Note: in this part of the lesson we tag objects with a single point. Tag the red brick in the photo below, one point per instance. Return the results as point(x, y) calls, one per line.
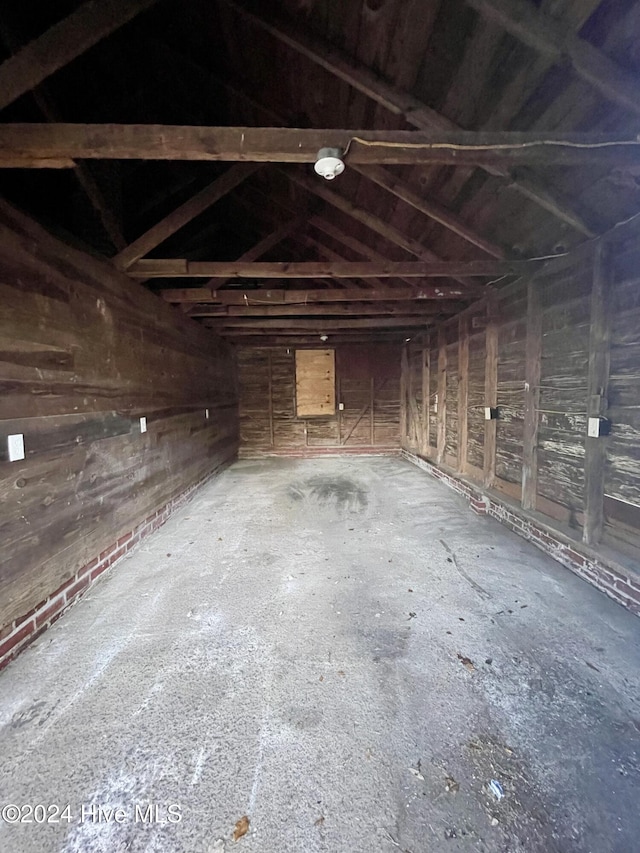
point(580, 559)
point(81, 584)
point(99, 569)
point(51, 609)
point(116, 556)
point(124, 538)
point(85, 570)
point(15, 639)
point(104, 555)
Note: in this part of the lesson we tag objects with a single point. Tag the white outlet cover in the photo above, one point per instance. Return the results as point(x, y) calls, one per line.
point(593, 427)
point(341, 407)
point(487, 413)
point(206, 414)
point(15, 447)
point(143, 424)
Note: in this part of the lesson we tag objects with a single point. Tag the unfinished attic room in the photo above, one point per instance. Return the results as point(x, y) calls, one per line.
point(320, 426)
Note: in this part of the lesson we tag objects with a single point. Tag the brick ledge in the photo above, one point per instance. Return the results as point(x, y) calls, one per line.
point(605, 574)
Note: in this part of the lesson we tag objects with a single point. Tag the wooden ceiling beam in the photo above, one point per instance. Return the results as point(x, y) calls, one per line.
point(552, 37)
point(178, 267)
point(189, 295)
point(179, 217)
point(400, 103)
point(62, 43)
point(261, 325)
point(388, 181)
point(38, 142)
point(292, 340)
point(338, 309)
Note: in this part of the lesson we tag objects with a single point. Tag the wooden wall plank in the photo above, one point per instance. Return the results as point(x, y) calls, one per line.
point(84, 354)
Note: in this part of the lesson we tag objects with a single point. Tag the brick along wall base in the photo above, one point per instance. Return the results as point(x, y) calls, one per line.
point(608, 576)
point(18, 634)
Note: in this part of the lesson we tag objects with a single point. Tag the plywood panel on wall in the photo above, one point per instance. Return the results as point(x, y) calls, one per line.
point(315, 382)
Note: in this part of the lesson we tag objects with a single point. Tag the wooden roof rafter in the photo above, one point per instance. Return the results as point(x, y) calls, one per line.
point(551, 37)
point(403, 104)
point(62, 43)
point(183, 214)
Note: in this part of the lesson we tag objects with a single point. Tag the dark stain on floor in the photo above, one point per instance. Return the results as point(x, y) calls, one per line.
point(340, 492)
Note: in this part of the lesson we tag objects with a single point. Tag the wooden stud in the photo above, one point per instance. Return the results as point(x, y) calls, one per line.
point(426, 385)
point(490, 394)
point(271, 433)
point(463, 392)
point(442, 394)
point(404, 401)
point(598, 380)
point(531, 397)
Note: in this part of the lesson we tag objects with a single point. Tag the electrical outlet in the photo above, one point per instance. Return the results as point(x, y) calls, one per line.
point(598, 426)
point(206, 414)
point(15, 447)
point(341, 407)
point(491, 413)
point(143, 424)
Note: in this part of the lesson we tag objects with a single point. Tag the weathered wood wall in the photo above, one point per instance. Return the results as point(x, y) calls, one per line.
point(84, 353)
point(367, 383)
point(622, 468)
point(553, 342)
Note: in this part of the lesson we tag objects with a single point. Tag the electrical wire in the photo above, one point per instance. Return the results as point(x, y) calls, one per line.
point(500, 146)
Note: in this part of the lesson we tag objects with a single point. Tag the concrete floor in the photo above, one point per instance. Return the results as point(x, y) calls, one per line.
point(340, 650)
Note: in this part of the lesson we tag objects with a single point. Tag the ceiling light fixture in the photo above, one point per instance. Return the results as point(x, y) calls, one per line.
point(324, 338)
point(329, 163)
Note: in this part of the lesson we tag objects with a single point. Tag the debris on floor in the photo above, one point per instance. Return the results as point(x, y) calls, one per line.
point(242, 827)
point(466, 662)
point(451, 786)
point(496, 789)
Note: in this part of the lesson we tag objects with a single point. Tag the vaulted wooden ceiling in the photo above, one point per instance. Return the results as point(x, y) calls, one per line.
point(176, 138)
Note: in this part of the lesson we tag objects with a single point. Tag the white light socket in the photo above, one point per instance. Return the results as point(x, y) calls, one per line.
point(143, 424)
point(15, 447)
